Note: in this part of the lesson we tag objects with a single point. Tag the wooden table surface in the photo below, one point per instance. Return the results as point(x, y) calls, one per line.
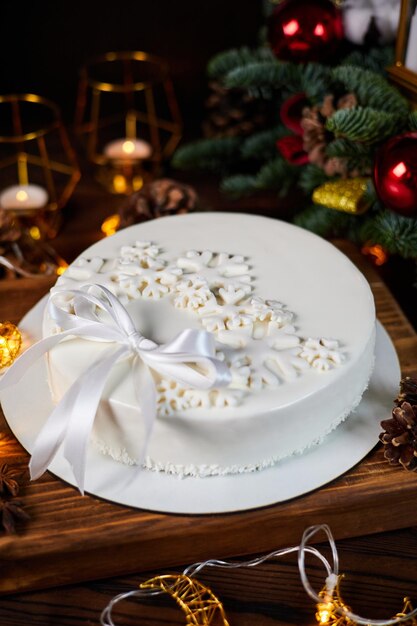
point(380, 568)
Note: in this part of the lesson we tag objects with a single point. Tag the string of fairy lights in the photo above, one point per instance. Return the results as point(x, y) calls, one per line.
point(203, 608)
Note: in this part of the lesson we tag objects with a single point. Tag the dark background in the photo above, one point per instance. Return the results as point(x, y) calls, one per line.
point(44, 43)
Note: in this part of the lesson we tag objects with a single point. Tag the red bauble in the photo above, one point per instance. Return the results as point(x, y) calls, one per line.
point(395, 174)
point(305, 30)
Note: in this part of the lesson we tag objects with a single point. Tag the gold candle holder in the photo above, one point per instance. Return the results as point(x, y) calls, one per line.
point(38, 167)
point(128, 117)
point(404, 71)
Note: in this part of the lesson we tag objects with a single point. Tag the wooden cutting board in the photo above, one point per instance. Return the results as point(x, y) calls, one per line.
point(71, 538)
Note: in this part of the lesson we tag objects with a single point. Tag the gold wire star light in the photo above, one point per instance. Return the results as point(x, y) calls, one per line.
point(333, 611)
point(201, 606)
point(10, 343)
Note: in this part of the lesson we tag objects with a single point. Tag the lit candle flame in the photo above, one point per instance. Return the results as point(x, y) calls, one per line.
point(21, 195)
point(128, 147)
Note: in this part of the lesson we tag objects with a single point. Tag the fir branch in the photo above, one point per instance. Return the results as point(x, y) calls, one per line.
point(225, 62)
point(315, 81)
point(371, 90)
point(277, 174)
point(262, 145)
point(374, 59)
point(212, 154)
point(324, 221)
point(311, 177)
point(395, 233)
point(357, 155)
point(363, 124)
point(412, 120)
point(265, 75)
point(239, 185)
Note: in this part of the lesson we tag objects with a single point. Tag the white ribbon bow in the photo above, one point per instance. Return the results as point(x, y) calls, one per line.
point(72, 419)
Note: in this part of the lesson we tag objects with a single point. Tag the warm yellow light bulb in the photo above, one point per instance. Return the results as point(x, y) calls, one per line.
point(110, 225)
point(324, 612)
point(61, 268)
point(128, 147)
point(21, 195)
point(119, 183)
point(35, 233)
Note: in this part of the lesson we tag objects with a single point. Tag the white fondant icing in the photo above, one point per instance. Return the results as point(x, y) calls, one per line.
point(287, 389)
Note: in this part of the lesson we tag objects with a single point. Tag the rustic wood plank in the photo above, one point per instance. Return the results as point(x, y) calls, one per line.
point(71, 538)
point(380, 570)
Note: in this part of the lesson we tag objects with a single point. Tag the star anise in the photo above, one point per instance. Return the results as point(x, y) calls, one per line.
point(11, 511)
point(8, 483)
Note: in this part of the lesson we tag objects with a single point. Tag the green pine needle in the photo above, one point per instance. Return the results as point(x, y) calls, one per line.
point(210, 154)
point(225, 62)
point(374, 59)
point(324, 221)
point(395, 233)
point(357, 155)
point(412, 120)
point(264, 75)
point(371, 90)
point(315, 81)
point(363, 124)
point(276, 175)
point(311, 176)
point(239, 185)
point(262, 145)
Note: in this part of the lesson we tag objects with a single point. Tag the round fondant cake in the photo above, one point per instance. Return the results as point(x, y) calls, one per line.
point(293, 319)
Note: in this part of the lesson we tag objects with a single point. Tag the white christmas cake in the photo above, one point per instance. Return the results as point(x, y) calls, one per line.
point(293, 319)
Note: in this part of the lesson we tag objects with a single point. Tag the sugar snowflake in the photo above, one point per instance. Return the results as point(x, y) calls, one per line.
point(322, 354)
point(217, 269)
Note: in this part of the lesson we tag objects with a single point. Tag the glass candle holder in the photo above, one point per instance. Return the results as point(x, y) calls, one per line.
point(128, 117)
point(38, 167)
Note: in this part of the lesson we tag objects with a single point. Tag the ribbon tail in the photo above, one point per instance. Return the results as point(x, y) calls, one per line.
point(25, 360)
point(52, 433)
point(35, 352)
point(83, 412)
point(146, 397)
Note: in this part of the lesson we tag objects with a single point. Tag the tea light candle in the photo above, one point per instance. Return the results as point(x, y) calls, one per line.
point(20, 197)
point(411, 55)
point(127, 149)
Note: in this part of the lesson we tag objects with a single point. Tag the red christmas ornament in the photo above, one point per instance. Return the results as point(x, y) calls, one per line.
point(305, 30)
point(395, 174)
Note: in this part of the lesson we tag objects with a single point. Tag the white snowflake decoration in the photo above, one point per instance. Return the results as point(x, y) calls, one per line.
point(193, 293)
point(322, 354)
point(270, 311)
point(171, 397)
point(217, 269)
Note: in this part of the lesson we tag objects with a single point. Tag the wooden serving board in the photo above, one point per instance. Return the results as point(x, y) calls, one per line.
point(71, 538)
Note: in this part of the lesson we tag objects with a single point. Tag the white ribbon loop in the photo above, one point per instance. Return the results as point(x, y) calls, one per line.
point(98, 315)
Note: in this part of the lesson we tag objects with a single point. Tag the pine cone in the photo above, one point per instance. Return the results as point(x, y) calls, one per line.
point(234, 112)
point(158, 198)
point(9, 230)
point(316, 137)
point(408, 391)
point(400, 436)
